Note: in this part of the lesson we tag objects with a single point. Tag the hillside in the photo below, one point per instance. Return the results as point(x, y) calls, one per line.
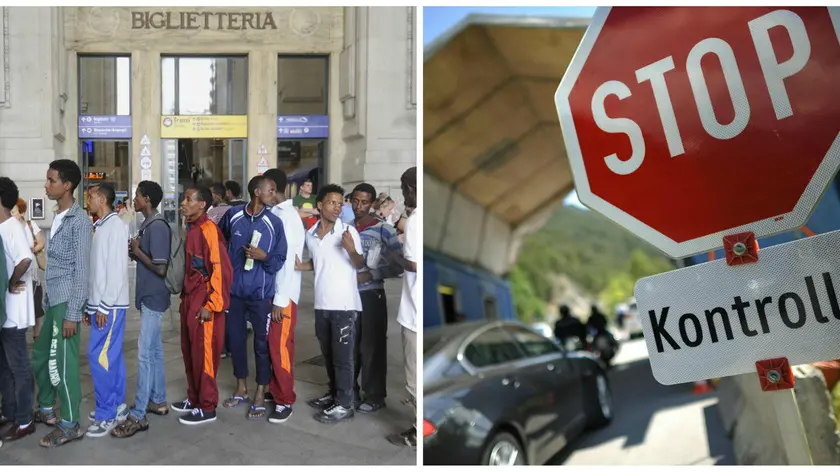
point(600, 256)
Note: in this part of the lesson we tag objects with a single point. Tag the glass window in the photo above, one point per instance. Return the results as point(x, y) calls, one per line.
point(204, 85)
point(493, 347)
point(302, 84)
point(104, 85)
point(490, 309)
point(532, 343)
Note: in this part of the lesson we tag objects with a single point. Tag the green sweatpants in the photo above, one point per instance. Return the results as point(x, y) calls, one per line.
point(55, 360)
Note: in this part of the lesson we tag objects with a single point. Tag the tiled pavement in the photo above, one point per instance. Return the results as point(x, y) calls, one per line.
point(232, 439)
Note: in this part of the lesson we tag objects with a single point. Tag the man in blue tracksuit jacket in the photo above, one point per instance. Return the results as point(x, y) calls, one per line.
point(253, 286)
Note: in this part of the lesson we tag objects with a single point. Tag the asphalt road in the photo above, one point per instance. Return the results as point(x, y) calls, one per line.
point(654, 424)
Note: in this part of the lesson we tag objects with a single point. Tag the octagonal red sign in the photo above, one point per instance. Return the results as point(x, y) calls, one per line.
point(685, 124)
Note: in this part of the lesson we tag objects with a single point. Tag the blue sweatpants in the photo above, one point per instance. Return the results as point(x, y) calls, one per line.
point(107, 366)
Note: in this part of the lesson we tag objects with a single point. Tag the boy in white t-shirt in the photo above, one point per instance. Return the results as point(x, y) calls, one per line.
point(16, 386)
point(407, 316)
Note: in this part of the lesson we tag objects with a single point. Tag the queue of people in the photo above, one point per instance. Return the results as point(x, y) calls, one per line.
point(237, 264)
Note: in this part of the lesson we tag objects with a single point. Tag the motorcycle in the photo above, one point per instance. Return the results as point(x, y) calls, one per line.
point(603, 344)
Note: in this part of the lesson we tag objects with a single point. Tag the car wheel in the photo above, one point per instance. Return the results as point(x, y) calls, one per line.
point(599, 403)
point(503, 449)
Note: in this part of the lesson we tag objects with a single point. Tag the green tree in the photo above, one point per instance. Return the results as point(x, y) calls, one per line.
point(529, 307)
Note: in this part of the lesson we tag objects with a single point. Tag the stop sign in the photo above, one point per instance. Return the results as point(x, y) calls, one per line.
point(687, 124)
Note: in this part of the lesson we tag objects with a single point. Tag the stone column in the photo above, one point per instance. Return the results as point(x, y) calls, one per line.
point(145, 113)
point(262, 111)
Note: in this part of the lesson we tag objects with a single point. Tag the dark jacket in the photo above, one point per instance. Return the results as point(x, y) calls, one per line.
point(238, 226)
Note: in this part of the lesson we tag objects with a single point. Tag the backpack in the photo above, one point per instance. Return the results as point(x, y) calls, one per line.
point(175, 268)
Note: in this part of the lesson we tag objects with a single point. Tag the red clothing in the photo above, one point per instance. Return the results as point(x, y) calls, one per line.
point(281, 349)
point(207, 283)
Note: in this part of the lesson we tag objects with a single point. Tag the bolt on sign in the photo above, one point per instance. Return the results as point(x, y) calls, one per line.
point(690, 125)
point(687, 124)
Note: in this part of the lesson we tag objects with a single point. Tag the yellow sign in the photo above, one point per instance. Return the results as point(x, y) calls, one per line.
point(204, 126)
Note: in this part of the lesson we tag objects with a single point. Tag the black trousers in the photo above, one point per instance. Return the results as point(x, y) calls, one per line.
point(17, 385)
point(372, 346)
point(336, 332)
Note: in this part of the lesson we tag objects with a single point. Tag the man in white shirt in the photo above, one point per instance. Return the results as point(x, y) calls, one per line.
point(106, 306)
point(407, 316)
point(281, 331)
point(16, 386)
point(336, 251)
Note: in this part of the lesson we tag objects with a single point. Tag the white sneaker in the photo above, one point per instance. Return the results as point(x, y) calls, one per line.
point(101, 428)
point(122, 414)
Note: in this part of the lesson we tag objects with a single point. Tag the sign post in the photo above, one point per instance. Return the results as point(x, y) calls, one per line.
point(717, 127)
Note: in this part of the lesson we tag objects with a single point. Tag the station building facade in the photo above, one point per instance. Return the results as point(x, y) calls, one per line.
point(199, 95)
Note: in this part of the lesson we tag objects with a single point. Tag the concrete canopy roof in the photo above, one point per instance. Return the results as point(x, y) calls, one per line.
point(490, 126)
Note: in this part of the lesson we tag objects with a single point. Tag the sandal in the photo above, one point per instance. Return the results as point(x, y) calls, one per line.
point(60, 436)
point(235, 401)
point(256, 413)
point(159, 409)
point(49, 418)
point(130, 427)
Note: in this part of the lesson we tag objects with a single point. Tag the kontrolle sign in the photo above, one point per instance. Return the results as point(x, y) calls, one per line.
point(713, 320)
point(193, 20)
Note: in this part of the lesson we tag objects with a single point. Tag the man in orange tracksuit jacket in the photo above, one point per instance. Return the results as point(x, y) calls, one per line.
point(205, 298)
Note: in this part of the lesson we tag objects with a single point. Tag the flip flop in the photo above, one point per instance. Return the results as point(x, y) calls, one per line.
point(234, 401)
point(256, 413)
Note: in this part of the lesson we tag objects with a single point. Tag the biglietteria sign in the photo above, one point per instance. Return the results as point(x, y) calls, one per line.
point(712, 320)
point(201, 20)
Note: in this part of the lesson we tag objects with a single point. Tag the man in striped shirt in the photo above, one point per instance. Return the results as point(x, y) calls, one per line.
point(55, 357)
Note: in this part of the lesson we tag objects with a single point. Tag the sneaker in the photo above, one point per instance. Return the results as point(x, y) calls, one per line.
point(198, 416)
point(101, 428)
point(322, 402)
point(406, 438)
point(335, 414)
point(280, 414)
point(182, 407)
point(122, 414)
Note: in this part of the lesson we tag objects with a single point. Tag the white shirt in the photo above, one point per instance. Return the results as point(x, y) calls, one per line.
point(20, 307)
point(336, 285)
point(407, 315)
point(30, 239)
point(108, 281)
point(57, 222)
point(287, 280)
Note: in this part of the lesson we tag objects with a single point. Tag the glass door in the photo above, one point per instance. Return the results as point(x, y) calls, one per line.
point(237, 162)
point(105, 161)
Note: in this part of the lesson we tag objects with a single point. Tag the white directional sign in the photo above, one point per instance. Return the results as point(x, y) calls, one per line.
point(713, 320)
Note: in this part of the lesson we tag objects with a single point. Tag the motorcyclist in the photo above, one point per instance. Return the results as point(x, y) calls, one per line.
point(569, 327)
point(597, 321)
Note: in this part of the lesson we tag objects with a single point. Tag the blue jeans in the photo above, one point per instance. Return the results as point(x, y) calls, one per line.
point(151, 384)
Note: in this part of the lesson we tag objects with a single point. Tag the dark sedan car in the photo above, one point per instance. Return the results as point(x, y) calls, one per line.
point(499, 393)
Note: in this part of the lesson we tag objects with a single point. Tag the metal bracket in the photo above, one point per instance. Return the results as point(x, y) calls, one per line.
point(740, 248)
point(775, 374)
